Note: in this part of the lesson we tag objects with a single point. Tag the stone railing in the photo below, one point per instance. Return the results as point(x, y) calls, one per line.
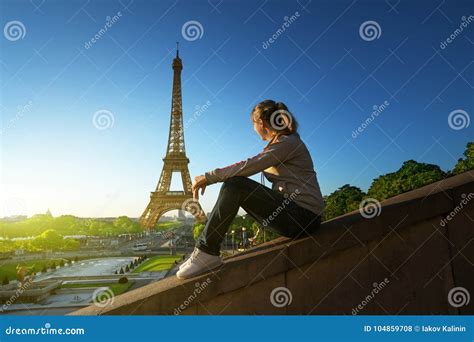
point(415, 257)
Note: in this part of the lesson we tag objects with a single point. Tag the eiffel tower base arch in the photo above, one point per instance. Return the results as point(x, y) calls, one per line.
point(160, 204)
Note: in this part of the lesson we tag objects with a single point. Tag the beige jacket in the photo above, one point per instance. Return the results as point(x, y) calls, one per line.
point(287, 164)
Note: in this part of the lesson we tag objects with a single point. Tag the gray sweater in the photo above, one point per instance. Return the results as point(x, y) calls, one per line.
point(287, 164)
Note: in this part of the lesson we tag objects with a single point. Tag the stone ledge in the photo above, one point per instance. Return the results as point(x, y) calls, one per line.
point(245, 271)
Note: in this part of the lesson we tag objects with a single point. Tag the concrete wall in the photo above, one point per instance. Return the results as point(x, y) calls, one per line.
point(404, 261)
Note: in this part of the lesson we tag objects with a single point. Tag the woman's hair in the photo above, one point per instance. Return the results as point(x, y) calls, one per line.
point(277, 116)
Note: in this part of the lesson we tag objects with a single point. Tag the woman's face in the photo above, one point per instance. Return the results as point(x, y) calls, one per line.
point(259, 127)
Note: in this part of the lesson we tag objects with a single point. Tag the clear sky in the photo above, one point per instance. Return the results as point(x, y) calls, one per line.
point(328, 71)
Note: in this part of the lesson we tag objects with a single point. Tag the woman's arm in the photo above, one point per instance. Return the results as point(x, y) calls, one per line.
point(274, 154)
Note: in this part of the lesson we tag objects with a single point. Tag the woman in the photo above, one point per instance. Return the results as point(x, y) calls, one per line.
point(292, 208)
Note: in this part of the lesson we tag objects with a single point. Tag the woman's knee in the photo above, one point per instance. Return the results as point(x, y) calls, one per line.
point(235, 182)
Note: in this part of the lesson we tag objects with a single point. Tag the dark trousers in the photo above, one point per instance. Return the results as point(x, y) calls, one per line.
point(270, 208)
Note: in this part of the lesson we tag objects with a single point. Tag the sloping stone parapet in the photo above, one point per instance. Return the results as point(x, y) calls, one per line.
point(410, 259)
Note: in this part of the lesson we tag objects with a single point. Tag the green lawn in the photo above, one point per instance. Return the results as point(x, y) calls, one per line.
point(161, 226)
point(158, 263)
point(116, 288)
point(8, 268)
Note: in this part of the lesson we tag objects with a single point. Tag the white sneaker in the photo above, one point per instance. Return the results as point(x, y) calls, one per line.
point(188, 259)
point(199, 263)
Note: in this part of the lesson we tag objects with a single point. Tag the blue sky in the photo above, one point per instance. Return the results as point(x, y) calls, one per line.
point(328, 73)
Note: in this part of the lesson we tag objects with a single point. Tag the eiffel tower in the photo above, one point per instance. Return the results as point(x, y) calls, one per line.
point(162, 199)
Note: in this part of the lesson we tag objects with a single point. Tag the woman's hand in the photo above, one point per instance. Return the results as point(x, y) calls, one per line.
point(199, 183)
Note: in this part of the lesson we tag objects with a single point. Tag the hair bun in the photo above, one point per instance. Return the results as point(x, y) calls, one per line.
point(275, 113)
point(280, 105)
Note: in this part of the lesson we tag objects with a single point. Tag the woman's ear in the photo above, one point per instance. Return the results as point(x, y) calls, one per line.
point(266, 124)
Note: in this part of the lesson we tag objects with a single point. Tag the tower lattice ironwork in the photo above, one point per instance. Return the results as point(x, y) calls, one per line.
point(162, 199)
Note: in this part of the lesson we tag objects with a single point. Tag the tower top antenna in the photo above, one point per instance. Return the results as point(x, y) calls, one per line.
point(177, 49)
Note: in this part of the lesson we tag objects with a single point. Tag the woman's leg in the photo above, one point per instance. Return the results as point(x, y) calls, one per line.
point(267, 206)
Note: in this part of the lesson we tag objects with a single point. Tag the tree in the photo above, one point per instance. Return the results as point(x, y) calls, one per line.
point(49, 239)
point(71, 244)
point(7, 246)
point(345, 199)
point(261, 233)
point(63, 223)
point(410, 176)
point(125, 225)
point(197, 230)
point(67, 225)
point(95, 228)
point(466, 164)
